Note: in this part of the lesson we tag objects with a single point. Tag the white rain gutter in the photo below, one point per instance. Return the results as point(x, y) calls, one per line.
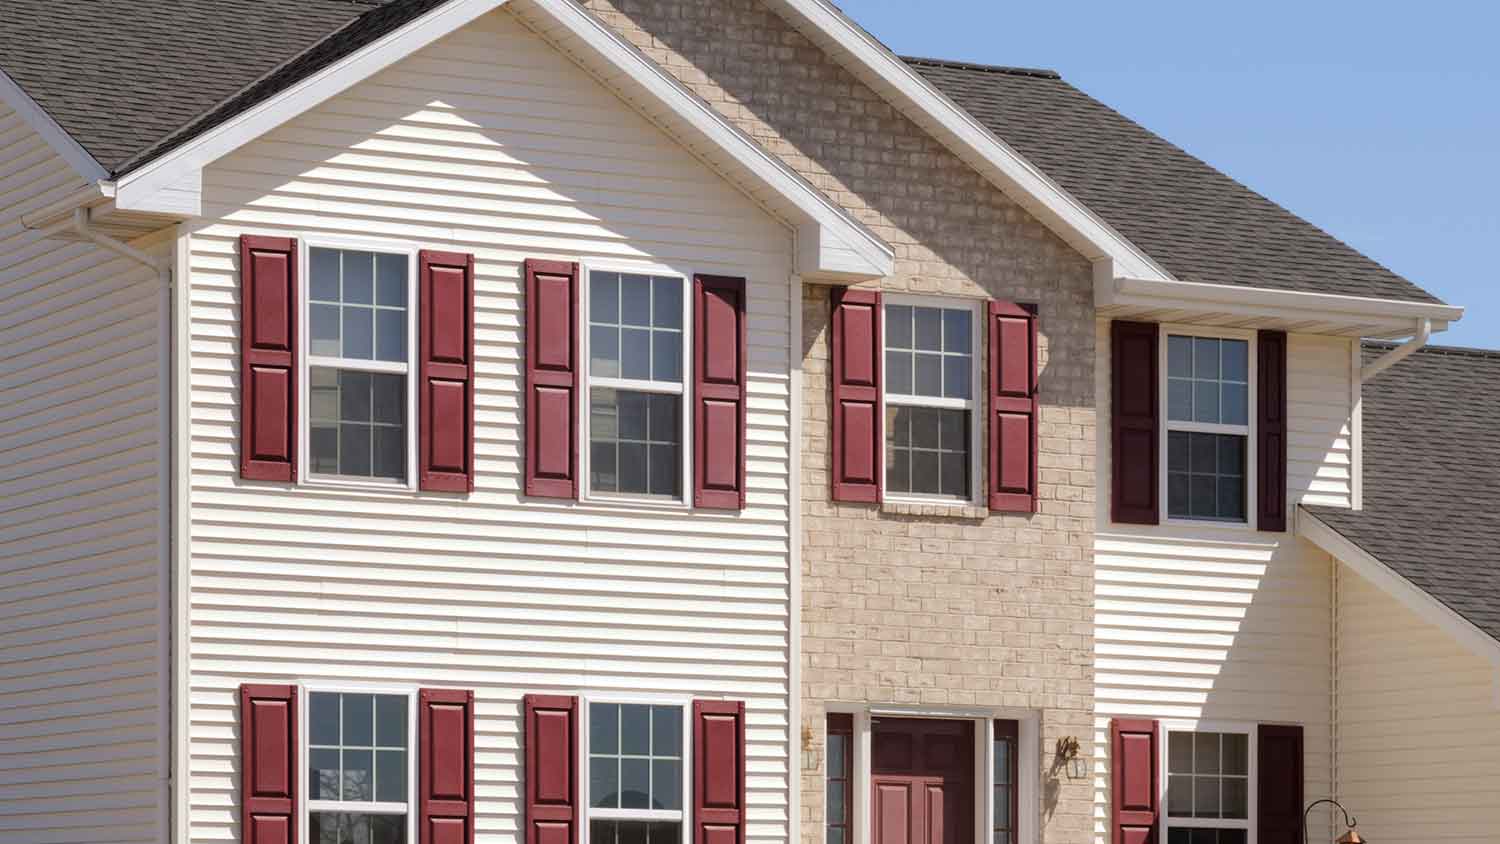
point(1398, 354)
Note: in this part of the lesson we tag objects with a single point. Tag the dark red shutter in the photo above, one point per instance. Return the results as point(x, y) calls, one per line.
point(445, 777)
point(551, 379)
point(1270, 450)
point(551, 775)
point(268, 764)
point(1014, 407)
point(1135, 748)
point(1280, 786)
point(446, 415)
point(268, 358)
point(1134, 412)
point(719, 392)
point(718, 772)
point(856, 352)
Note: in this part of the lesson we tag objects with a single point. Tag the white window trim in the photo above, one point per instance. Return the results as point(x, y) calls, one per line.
point(306, 360)
point(977, 405)
point(1248, 430)
point(684, 817)
point(587, 381)
point(306, 806)
point(1252, 808)
point(1028, 747)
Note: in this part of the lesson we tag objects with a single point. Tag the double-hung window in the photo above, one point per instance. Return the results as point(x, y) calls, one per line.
point(636, 386)
point(1208, 398)
point(637, 774)
point(1208, 787)
point(930, 409)
point(359, 768)
point(359, 364)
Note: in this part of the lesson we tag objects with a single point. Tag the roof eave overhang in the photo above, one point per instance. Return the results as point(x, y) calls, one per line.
point(13, 95)
point(1388, 580)
point(831, 244)
point(1182, 301)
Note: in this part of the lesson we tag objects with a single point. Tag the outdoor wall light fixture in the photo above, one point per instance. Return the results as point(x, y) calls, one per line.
point(1352, 836)
point(1067, 755)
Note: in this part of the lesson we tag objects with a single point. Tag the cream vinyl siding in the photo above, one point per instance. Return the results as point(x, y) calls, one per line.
point(1418, 724)
point(1225, 625)
point(82, 639)
point(487, 142)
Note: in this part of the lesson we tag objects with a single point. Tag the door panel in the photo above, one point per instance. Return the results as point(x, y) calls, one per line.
point(893, 820)
point(923, 781)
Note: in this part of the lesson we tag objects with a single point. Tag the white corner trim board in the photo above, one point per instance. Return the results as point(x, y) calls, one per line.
point(13, 95)
point(1386, 579)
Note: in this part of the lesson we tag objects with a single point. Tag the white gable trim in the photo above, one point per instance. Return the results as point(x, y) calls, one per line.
point(56, 137)
point(1021, 180)
point(831, 242)
point(1410, 595)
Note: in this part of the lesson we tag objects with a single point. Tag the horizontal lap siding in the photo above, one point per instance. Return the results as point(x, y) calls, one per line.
point(1419, 724)
point(486, 142)
point(81, 643)
point(1220, 624)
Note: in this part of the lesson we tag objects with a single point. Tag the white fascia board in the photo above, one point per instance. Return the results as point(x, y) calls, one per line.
point(56, 137)
point(1259, 301)
point(832, 244)
point(914, 96)
point(1386, 579)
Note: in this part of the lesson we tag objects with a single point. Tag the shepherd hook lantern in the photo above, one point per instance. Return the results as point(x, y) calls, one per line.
point(1350, 837)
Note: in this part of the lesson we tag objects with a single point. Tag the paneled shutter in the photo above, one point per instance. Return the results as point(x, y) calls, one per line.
point(1014, 407)
point(856, 352)
point(1270, 450)
point(719, 392)
point(446, 416)
point(268, 764)
point(718, 772)
point(1134, 412)
point(445, 777)
point(1134, 754)
point(1280, 785)
point(551, 735)
point(268, 358)
point(551, 379)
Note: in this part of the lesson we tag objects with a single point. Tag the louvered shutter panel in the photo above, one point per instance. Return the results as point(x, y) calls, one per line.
point(1270, 450)
point(268, 764)
point(856, 395)
point(551, 379)
point(1135, 748)
point(1014, 407)
point(719, 392)
point(1279, 791)
point(445, 777)
point(268, 358)
point(551, 775)
point(1134, 421)
point(446, 398)
point(718, 772)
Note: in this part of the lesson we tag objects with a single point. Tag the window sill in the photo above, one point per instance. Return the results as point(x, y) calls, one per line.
point(934, 509)
point(328, 482)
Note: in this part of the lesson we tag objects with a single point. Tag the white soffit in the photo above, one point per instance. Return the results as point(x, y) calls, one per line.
point(832, 244)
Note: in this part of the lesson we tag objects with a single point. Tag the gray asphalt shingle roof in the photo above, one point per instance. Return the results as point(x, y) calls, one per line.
point(130, 79)
point(1432, 456)
point(1198, 223)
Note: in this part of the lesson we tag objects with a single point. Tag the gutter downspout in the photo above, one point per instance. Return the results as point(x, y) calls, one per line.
point(79, 224)
point(1398, 354)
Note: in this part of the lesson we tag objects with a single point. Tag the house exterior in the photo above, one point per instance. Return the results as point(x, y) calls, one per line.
point(520, 421)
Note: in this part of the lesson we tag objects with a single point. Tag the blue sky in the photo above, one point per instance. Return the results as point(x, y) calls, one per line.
point(1378, 121)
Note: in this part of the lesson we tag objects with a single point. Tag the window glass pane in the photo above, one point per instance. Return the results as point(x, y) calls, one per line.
point(604, 782)
point(359, 278)
point(1206, 401)
point(390, 776)
point(604, 467)
point(836, 797)
point(634, 477)
point(357, 775)
point(925, 474)
point(953, 430)
point(1204, 492)
point(323, 774)
point(1179, 357)
point(390, 721)
point(1002, 808)
point(956, 381)
point(387, 829)
point(1206, 475)
point(323, 719)
point(927, 451)
point(928, 380)
point(359, 333)
point(1002, 762)
point(1206, 753)
point(1236, 753)
point(1236, 797)
point(835, 835)
point(350, 828)
point(898, 470)
point(1179, 497)
point(1205, 358)
point(663, 478)
point(604, 297)
point(836, 750)
point(635, 783)
point(602, 832)
point(325, 449)
point(604, 351)
point(359, 720)
point(1179, 400)
point(324, 269)
point(635, 300)
point(924, 428)
point(635, 730)
point(323, 329)
point(1236, 357)
point(390, 335)
point(666, 784)
point(388, 398)
point(953, 469)
point(354, 450)
point(1235, 404)
point(635, 442)
point(897, 327)
point(1206, 797)
point(898, 373)
point(667, 303)
point(666, 358)
point(1180, 753)
point(928, 329)
point(632, 412)
point(390, 280)
point(957, 331)
point(635, 354)
point(1204, 454)
point(1180, 795)
point(604, 728)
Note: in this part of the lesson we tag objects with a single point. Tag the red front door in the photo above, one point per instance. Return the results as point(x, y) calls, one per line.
point(922, 781)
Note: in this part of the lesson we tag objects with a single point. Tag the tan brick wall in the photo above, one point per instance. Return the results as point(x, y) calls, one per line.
point(946, 607)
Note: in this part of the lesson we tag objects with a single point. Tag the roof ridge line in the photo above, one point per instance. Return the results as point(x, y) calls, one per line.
point(1455, 351)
